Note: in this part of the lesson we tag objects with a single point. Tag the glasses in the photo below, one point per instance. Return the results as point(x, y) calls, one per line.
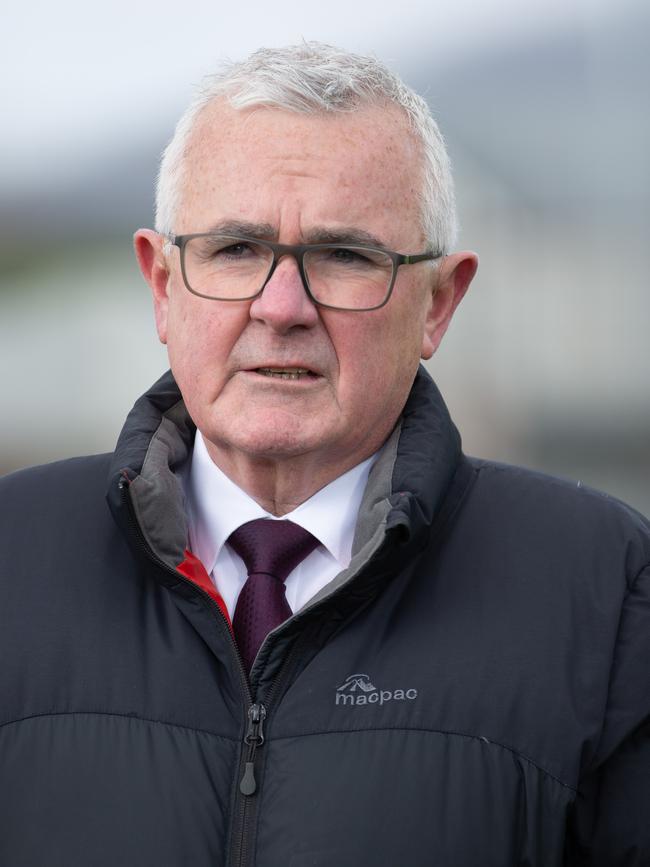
point(338, 276)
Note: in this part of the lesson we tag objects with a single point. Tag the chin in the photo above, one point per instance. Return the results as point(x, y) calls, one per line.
point(271, 441)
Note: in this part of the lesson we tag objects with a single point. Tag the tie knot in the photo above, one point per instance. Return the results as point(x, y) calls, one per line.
point(272, 547)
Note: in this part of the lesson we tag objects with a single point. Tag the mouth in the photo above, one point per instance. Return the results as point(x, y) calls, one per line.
point(294, 373)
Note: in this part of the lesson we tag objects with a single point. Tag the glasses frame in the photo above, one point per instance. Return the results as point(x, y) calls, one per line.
point(298, 251)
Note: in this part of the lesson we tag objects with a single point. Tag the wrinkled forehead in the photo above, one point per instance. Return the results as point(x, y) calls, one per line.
point(360, 162)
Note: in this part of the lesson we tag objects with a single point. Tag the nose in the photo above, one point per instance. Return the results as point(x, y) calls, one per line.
point(284, 303)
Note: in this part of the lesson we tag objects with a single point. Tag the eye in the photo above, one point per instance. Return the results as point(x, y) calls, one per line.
point(346, 256)
point(357, 258)
point(237, 250)
point(224, 250)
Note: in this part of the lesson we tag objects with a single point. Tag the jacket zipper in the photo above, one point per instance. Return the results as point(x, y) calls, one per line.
point(254, 738)
point(255, 711)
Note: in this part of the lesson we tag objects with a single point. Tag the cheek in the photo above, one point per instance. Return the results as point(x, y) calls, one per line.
point(369, 365)
point(378, 363)
point(200, 339)
point(180, 336)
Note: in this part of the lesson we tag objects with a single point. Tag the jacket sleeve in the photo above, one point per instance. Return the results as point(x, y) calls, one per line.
point(610, 825)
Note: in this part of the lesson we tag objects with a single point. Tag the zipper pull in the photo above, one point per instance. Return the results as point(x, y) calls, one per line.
point(254, 738)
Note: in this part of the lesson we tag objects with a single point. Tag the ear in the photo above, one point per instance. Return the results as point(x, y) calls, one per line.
point(149, 253)
point(453, 277)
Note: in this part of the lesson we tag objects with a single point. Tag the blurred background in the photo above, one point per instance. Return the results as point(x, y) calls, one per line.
point(545, 108)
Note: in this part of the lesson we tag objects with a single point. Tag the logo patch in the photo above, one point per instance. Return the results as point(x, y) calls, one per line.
point(358, 689)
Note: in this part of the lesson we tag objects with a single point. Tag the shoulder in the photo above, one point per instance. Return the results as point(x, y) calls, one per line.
point(544, 512)
point(55, 485)
point(55, 526)
point(513, 483)
point(84, 465)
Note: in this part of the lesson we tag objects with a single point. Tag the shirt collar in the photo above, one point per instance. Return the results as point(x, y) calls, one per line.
point(217, 506)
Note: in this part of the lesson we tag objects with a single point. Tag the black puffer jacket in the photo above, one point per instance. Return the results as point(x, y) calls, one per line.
point(474, 691)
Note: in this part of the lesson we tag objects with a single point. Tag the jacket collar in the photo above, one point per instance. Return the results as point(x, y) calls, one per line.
point(405, 489)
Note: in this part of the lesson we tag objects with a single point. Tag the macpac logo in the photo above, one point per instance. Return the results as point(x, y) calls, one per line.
point(358, 689)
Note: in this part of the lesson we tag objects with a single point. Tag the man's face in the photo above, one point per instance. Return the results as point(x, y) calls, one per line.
point(294, 178)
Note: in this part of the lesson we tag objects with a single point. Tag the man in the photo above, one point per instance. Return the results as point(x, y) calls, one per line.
point(305, 629)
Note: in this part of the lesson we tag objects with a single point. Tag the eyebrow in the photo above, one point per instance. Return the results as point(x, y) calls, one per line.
point(263, 231)
point(344, 235)
point(348, 235)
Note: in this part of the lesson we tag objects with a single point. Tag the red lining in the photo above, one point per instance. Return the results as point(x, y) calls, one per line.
point(193, 568)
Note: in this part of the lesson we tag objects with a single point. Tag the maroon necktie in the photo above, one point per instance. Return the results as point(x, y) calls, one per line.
point(270, 550)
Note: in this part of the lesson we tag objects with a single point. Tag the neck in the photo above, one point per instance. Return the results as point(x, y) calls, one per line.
point(280, 485)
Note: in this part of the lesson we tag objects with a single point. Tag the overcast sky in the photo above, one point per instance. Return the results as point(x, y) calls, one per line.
point(78, 77)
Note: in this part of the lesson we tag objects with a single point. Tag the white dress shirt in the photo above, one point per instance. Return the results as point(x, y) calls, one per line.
point(217, 507)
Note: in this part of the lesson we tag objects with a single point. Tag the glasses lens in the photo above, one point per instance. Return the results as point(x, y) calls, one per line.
point(226, 267)
point(351, 278)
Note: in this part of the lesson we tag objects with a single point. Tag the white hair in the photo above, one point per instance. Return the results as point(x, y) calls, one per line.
point(309, 78)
